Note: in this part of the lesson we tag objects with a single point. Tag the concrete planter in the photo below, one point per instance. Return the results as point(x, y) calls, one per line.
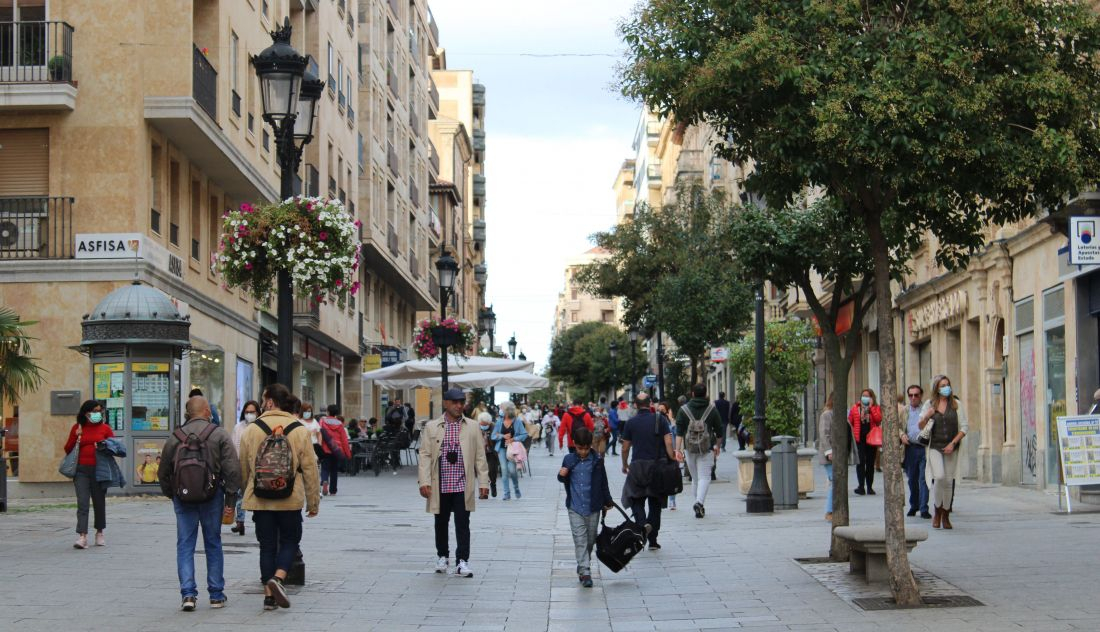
point(806, 467)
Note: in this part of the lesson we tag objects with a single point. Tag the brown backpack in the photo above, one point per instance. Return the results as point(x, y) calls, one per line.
point(274, 473)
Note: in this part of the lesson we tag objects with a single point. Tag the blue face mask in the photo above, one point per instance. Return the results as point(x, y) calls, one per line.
point(866, 400)
point(95, 418)
point(945, 391)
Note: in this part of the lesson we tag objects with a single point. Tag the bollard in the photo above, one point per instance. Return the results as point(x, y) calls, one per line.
point(785, 472)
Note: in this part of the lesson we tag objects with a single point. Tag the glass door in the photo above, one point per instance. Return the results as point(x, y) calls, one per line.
point(1054, 346)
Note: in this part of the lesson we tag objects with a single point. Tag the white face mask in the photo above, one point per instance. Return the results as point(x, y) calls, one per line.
point(250, 417)
point(307, 415)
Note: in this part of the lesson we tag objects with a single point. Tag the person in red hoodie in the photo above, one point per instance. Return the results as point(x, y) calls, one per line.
point(575, 413)
point(864, 416)
point(89, 430)
point(336, 448)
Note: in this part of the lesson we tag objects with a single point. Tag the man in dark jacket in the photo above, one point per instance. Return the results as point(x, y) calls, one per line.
point(698, 428)
point(722, 405)
point(647, 438)
point(221, 460)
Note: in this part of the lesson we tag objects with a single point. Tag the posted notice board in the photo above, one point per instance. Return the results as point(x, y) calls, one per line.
point(1079, 443)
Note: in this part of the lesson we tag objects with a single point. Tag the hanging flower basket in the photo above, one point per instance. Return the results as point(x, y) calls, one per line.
point(431, 335)
point(314, 239)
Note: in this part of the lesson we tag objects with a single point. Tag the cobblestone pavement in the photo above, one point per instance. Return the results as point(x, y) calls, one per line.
point(370, 567)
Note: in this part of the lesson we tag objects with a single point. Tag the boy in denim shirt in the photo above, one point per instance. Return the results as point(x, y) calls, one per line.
point(586, 493)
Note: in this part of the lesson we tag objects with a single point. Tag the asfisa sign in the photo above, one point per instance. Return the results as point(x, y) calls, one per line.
point(1084, 245)
point(108, 245)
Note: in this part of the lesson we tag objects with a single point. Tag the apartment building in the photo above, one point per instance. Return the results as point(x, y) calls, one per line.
point(139, 124)
point(576, 306)
point(397, 163)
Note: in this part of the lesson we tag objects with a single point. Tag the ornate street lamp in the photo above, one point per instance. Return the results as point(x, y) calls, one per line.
point(633, 362)
point(522, 358)
point(448, 270)
point(760, 498)
point(280, 69)
point(613, 351)
point(312, 89)
point(512, 346)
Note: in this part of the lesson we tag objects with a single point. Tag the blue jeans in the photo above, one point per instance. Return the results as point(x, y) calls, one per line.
point(330, 471)
point(279, 534)
point(915, 456)
point(240, 507)
point(829, 496)
point(188, 519)
point(508, 471)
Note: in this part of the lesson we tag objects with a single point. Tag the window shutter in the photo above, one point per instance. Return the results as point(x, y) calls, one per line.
point(24, 162)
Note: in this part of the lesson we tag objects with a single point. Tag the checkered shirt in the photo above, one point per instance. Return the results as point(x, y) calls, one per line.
point(452, 477)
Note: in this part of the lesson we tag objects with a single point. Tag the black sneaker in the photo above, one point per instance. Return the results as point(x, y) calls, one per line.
point(870, 491)
point(188, 604)
point(911, 513)
point(698, 507)
point(653, 546)
point(269, 603)
point(278, 592)
point(586, 581)
point(859, 491)
point(217, 603)
point(925, 515)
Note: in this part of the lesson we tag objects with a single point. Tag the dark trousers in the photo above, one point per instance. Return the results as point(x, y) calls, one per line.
point(613, 441)
point(914, 470)
point(330, 471)
point(865, 470)
point(89, 489)
point(279, 534)
point(453, 504)
point(737, 433)
point(494, 471)
point(653, 517)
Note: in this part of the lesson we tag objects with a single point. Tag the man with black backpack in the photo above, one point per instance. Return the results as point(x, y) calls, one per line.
point(279, 468)
point(698, 436)
point(200, 472)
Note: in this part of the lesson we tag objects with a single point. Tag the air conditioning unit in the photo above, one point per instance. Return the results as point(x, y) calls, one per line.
point(20, 235)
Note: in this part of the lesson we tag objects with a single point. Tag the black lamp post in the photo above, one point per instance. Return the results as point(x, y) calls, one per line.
point(660, 367)
point(613, 351)
point(522, 358)
point(286, 97)
point(760, 495)
point(448, 270)
point(633, 363)
point(512, 346)
point(487, 323)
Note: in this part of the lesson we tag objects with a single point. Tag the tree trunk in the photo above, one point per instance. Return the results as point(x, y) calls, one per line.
point(902, 582)
point(695, 360)
point(839, 367)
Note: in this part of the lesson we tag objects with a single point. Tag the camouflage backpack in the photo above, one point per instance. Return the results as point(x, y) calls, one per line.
point(274, 466)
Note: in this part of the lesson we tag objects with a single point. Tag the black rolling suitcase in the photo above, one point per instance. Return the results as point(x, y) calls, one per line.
point(616, 546)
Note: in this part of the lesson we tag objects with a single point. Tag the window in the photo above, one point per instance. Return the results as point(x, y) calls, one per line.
point(573, 293)
point(607, 316)
point(573, 317)
point(214, 228)
point(154, 188)
point(234, 62)
point(339, 74)
point(331, 67)
point(266, 140)
point(174, 203)
point(196, 220)
point(1054, 346)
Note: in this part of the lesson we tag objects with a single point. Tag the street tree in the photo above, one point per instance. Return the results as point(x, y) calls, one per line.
point(788, 347)
point(670, 267)
point(811, 246)
point(19, 372)
point(940, 116)
point(581, 358)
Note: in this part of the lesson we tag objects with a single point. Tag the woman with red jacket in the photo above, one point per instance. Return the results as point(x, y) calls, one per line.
point(90, 429)
point(335, 448)
point(865, 417)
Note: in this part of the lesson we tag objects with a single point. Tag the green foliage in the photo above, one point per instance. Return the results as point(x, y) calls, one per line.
point(672, 269)
point(787, 368)
point(580, 358)
point(677, 381)
point(940, 115)
point(19, 373)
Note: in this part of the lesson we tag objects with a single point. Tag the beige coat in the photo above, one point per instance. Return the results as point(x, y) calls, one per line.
point(307, 484)
point(473, 458)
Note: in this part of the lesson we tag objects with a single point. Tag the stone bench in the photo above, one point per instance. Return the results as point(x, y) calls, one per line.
point(868, 549)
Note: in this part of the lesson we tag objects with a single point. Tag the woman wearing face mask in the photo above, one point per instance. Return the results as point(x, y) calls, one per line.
point(314, 428)
point(864, 417)
point(949, 426)
point(89, 430)
point(249, 412)
point(506, 431)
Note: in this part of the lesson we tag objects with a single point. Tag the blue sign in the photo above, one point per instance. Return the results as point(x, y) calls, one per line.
point(649, 380)
point(390, 356)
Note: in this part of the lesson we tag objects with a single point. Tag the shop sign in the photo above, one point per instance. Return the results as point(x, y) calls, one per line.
point(109, 245)
point(390, 356)
point(1079, 449)
point(719, 354)
point(372, 361)
point(1084, 245)
point(942, 309)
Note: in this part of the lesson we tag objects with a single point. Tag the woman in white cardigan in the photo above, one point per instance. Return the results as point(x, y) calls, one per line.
point(949, 426)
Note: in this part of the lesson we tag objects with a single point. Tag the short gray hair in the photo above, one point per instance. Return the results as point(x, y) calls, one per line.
point(509, 409)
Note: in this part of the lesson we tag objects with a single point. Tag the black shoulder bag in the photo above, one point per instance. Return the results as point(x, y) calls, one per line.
point(667, 479)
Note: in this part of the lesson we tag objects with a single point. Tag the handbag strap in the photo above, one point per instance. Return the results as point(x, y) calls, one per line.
point(603, 517)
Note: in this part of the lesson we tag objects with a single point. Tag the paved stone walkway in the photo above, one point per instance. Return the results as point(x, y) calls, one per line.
point(370, 558)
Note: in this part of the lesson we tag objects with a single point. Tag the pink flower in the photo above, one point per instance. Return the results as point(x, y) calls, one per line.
point(323, 236)
point(248, 266)
point(339, 283)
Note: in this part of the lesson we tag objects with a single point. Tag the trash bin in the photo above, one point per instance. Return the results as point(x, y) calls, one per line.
point(784, 472)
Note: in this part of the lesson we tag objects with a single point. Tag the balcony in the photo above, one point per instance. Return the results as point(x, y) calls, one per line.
point(653, 174)
point(36, 227)
point(481, 274)
point(479, 140)
point(414, 192)
point(433, 99)
point(351, 114)
point(479, 233)
point(479, 186)
point(479, 94)
point(414, 265)
point(689, 166)
point(391, 79)
point(36, 66)
point(391, 239)
point(432, 26)
point(395, 7)
point(433, 159)
point(307, 314)
point(391, 160)
point(433, 287)
point(204, 86)
point(414, 122)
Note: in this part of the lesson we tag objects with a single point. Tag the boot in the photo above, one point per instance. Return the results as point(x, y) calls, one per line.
point(946, 519)
point(936, 518)
point(239, 529)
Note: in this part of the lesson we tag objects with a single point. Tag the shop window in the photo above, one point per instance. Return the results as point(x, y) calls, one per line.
point(208, 375)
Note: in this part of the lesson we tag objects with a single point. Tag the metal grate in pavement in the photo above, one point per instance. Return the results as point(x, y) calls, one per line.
point(942, 601)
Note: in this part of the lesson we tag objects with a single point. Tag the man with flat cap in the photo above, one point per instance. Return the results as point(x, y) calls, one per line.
point(452, 460)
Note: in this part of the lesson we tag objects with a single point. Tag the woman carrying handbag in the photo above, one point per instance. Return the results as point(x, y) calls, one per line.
point(84, 437)
point(865, 417)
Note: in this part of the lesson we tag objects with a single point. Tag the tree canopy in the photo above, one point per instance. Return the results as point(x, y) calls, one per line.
point(581, 358)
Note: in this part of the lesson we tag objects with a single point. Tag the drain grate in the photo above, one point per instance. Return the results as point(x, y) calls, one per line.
point(937, 601)
point(813, 560)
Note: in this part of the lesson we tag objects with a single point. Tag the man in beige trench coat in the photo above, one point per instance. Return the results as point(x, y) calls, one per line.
point(452, 458)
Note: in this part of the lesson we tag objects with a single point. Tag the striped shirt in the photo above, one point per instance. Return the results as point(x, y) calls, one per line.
point(452, 476)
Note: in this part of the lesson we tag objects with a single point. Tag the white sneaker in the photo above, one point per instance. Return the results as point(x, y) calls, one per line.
point(463, 569)
point(442, 566)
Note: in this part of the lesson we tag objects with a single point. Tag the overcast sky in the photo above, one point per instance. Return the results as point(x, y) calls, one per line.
point(556, 133)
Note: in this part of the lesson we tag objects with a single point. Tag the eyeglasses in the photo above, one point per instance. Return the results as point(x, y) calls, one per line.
point(914, 394)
